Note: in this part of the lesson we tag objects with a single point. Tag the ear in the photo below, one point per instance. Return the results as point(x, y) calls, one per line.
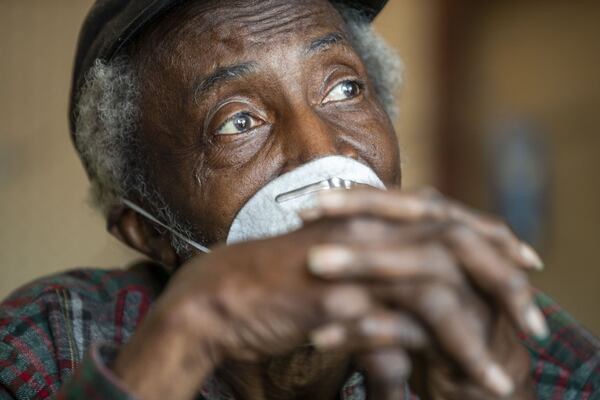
point(140, 234)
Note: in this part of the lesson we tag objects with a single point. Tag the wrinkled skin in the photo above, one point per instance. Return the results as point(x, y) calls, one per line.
point(370, 276)
point(210, 176)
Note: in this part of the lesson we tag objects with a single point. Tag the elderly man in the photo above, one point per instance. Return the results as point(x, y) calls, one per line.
point(211, 131)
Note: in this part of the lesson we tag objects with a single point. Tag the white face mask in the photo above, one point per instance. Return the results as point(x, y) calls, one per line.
point(273, 210)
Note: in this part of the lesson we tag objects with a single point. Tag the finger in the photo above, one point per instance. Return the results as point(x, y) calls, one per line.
point(494, 274)
point(499, 234)
point(387, 372)
point(344, 302)
point(455, 332)
point(391, 204)
point(282, 321)
point(377, 330)
point(416, 261)
point(426, 205)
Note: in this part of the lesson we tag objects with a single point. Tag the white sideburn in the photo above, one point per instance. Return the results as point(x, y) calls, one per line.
point(273, 210)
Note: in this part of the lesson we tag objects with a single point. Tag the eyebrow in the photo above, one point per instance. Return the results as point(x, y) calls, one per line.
point(325, 42)
point(228, 73)
point(220, 76)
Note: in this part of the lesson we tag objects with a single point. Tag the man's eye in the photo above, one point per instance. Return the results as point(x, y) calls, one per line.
point(239, 123)
point(343, 91)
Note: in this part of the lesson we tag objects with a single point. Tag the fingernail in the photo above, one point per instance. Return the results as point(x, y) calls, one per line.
point(331, 199)
point(536, 322)
point(531, 257)
point(498, 381)
point(329, 260)
point(329, 337)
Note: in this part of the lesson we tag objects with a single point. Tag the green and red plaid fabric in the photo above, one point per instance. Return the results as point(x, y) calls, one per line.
point(59, 334)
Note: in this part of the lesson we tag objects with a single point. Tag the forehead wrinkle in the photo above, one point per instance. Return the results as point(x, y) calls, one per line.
point(260, 21)
point(236, 26)
point(237, 29)
point(260, 16)
point(281, 25)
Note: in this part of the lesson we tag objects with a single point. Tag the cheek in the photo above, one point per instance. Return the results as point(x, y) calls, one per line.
point(234, 152)
point(387, 159)
point(223, 191)
point(220, 196)
point(372, 135)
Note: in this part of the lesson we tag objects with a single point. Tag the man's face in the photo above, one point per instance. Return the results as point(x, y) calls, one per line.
point(240, 92)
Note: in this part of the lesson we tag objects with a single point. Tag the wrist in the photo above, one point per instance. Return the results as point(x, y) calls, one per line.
point(164, 359)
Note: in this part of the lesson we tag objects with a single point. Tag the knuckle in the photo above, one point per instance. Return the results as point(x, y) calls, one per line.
point(437, 303)
point(184, 314)
point(410, 332)
point(501, 230)
point(389, 367)
point(515, 283)
point(439, 206)
point(437, 257)
point(365, 227)
point(430, 193)
point(442, 264)
point(346, 302)
point(513, 288)
point(367, 327)
point(355, 226)
point(458, 232)
point(342, 229)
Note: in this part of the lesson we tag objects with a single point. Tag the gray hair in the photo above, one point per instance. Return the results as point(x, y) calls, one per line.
point(107, 115)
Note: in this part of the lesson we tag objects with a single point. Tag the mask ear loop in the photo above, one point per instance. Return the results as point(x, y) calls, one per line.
point(149, 216)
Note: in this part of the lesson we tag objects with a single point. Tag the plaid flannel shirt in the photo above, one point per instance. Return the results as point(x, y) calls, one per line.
point(59, 334)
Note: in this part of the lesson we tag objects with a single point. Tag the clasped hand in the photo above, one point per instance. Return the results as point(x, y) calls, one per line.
point(372, 273)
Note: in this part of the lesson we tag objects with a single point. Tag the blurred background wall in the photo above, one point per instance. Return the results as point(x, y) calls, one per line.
point(521, 103)
point(496, 91)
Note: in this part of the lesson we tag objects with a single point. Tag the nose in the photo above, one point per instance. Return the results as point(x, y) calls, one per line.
point(308, 136)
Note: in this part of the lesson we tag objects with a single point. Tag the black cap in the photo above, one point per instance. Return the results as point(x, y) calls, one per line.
point(112, 24)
